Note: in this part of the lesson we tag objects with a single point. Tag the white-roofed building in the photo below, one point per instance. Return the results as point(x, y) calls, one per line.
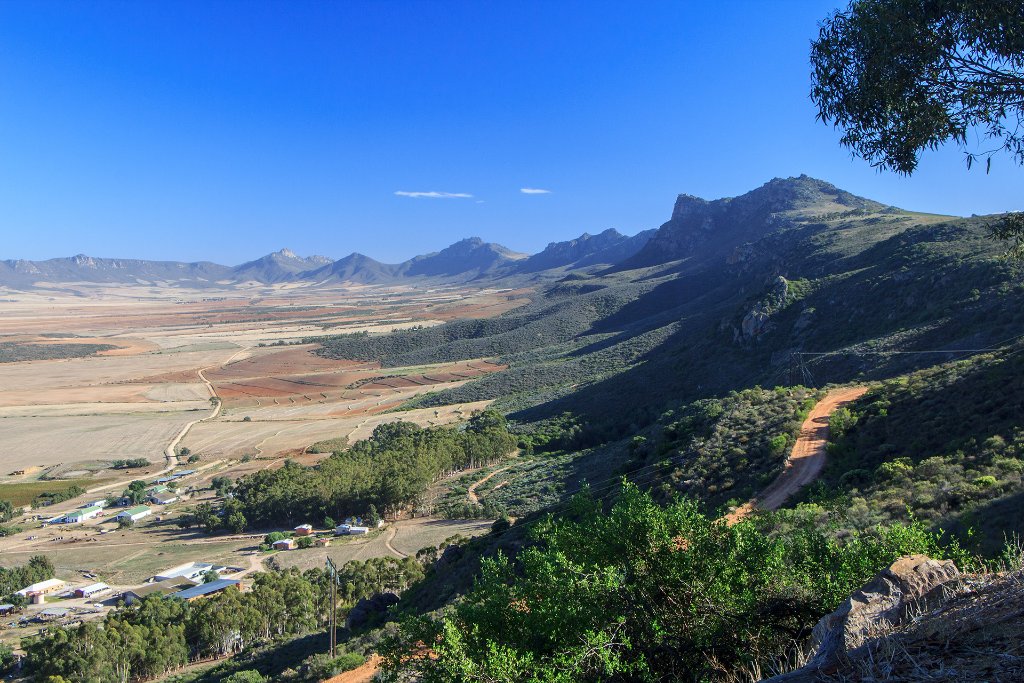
point(42, 587)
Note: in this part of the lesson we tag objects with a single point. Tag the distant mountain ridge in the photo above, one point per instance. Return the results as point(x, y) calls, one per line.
point(608, 247)
point(698, 228)
point(465, 260)
point(279, 266)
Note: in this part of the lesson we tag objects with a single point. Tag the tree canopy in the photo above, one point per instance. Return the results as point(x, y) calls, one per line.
point(902, 76)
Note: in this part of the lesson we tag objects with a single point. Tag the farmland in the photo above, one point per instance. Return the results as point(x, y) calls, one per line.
point(104, 373)
point(221, 383)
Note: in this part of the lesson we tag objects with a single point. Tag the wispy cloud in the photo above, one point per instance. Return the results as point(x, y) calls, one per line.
point(533, 190)
point(434, 195)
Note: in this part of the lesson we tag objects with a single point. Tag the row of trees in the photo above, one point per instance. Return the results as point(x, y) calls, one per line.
point(131, 463)
point(159, 635)
point(389, 471)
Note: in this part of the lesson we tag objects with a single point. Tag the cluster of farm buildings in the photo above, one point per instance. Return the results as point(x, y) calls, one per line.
point(351, 527)
point(157, 494)
point(189, 581)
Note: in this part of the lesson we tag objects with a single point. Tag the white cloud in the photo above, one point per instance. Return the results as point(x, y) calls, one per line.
point(534, 190)
point(434, 195)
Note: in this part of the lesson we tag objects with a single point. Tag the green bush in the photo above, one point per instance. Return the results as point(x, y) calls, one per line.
point(650, 592)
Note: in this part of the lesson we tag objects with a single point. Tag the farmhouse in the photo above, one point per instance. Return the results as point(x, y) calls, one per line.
point(6, 609)
point(42, 588)
point(284, 544)
point(79, 516)
point(349, 530)
point(91, 590)
point(322, 542)
point(134, 514)
point(304, 530)
point(205, 589)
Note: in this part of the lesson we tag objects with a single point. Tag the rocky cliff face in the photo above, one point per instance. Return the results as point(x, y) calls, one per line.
point(718, 228)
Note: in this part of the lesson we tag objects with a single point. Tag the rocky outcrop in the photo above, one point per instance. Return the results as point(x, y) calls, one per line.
point(916, 605)
point(720, 228)
point(757, 320)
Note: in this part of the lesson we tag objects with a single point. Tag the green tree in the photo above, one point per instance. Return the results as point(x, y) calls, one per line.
point(6, 658)
point(902, 76)
point(247, 676)
point(6, 511)
point(221, 485)
point(235, 522)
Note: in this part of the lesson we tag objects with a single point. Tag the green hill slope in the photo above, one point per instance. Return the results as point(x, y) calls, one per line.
point(945, 445)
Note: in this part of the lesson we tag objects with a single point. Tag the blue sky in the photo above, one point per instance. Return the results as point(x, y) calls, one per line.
point(225, 130)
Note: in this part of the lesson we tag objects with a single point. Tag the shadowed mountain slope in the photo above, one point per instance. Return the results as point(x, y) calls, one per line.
point(794, 266)
point(605, 248)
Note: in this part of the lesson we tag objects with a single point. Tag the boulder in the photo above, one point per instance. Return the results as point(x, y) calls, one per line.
point(909, 585)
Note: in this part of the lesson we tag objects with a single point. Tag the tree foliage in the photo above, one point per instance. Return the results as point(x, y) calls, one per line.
point(646, 592)
point(386, 472)
point(902, 76)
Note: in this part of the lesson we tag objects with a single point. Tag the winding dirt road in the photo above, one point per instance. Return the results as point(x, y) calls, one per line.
point(807, 458)
point(471, 492)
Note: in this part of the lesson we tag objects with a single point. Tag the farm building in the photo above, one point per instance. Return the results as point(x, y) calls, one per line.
point(101, 503)
point(91, 590)
point(79, 516)
point(322, 542)
point(165, 587)
point(193, 571)
point(349, 530)
point(42, 588)
point(284, 544)
point(134, 514)
point(6, 609)
point(159, 488)
point(163, 498)
point(304, 530)
point(205, 589)
point(183, 473)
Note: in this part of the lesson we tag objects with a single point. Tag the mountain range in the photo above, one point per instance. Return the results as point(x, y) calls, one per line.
point(466, 260)
point(696, 227)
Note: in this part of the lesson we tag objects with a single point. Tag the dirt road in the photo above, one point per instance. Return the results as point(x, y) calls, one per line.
point(473, 498)
point(363, 674)
point(806, 459)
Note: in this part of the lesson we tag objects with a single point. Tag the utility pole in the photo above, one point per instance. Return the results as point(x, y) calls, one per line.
point(332, 572)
